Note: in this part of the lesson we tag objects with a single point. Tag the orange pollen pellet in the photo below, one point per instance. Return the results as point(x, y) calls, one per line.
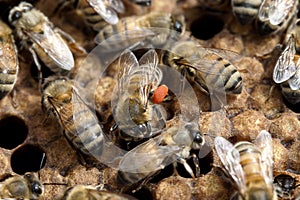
point(159, 94)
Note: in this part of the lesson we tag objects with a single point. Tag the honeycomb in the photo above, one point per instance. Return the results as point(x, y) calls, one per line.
point(30, 141)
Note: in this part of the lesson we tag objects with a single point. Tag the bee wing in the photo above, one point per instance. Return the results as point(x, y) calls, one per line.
point(54, 46)
point(279, 10)
point(148, 157)
point(264, 142)
point(230, 158)
point(117, 5)
point(130, 39)
point(107, 13)
point(151, 74)
point(127, 62)
point(285, 67)
point(294, 82)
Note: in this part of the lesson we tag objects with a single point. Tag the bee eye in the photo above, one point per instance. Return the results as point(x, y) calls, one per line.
point(198, 138)
point(16, 15)
point(178, 26)
point(36, 188)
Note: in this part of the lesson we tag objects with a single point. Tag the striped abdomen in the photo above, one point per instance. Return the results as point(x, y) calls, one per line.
point(245, 10)
point(84, 132)
point(220, 75)
point(91, 17)
point(9, 65)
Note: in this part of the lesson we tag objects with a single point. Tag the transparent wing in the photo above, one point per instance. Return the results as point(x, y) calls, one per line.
point(122, 40)
point(149, 75)
point(117, 5)
point(285, 67)
point(84, 118)
point(263, 13)
point(54, 46)
point(148, 157)
point(264, 142)
point(294, 81)
point(126, 64)
point(280, 10)
point(107, 13)
point(230, 158)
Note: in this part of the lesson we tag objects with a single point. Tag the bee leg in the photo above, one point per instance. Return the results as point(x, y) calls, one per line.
point(13, 98)
point(114, 127)
point(73, 45)
point(37, 63)
point(196, 163)
point(186, 166)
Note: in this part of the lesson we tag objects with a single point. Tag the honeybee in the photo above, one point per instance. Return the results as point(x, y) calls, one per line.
point(173, 145)
point(284, 185)
point(274, 15)
point(38, 35)
point(250, 165)
point(287, 72)
point(27, 186)
point(208, 68)
point(157, 28)
point(96, 13)
point(61, 98)
point(80, 125)
point(80, 192)
point(245, 11)
point(9, 63)
point(135, 115)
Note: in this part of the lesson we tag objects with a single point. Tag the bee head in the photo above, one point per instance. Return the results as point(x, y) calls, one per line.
point(16, 12)
point(34, 183)
point(178, 23)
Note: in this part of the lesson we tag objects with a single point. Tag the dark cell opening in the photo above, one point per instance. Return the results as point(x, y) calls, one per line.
point(13, 132)
point(28, 158)
point(142, 193)
point(207, 26)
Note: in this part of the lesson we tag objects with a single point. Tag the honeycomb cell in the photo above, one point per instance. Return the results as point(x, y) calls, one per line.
point(13, 132)
point(207, 26)
point(27, 158)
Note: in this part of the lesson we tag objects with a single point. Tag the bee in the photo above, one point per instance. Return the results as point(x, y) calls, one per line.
point(61, 98)
point(27, 186)
point(208, 68)
point(250, 165)
point(155, 27)
point(96, 13)
point(245, 11)
point(171, 146)
point(9, 63)
point(287, 72)
point(39, 36)
point(284, 185)
point(135, 115)
point(80, 192)
point(275, 15)
point(80, 125)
